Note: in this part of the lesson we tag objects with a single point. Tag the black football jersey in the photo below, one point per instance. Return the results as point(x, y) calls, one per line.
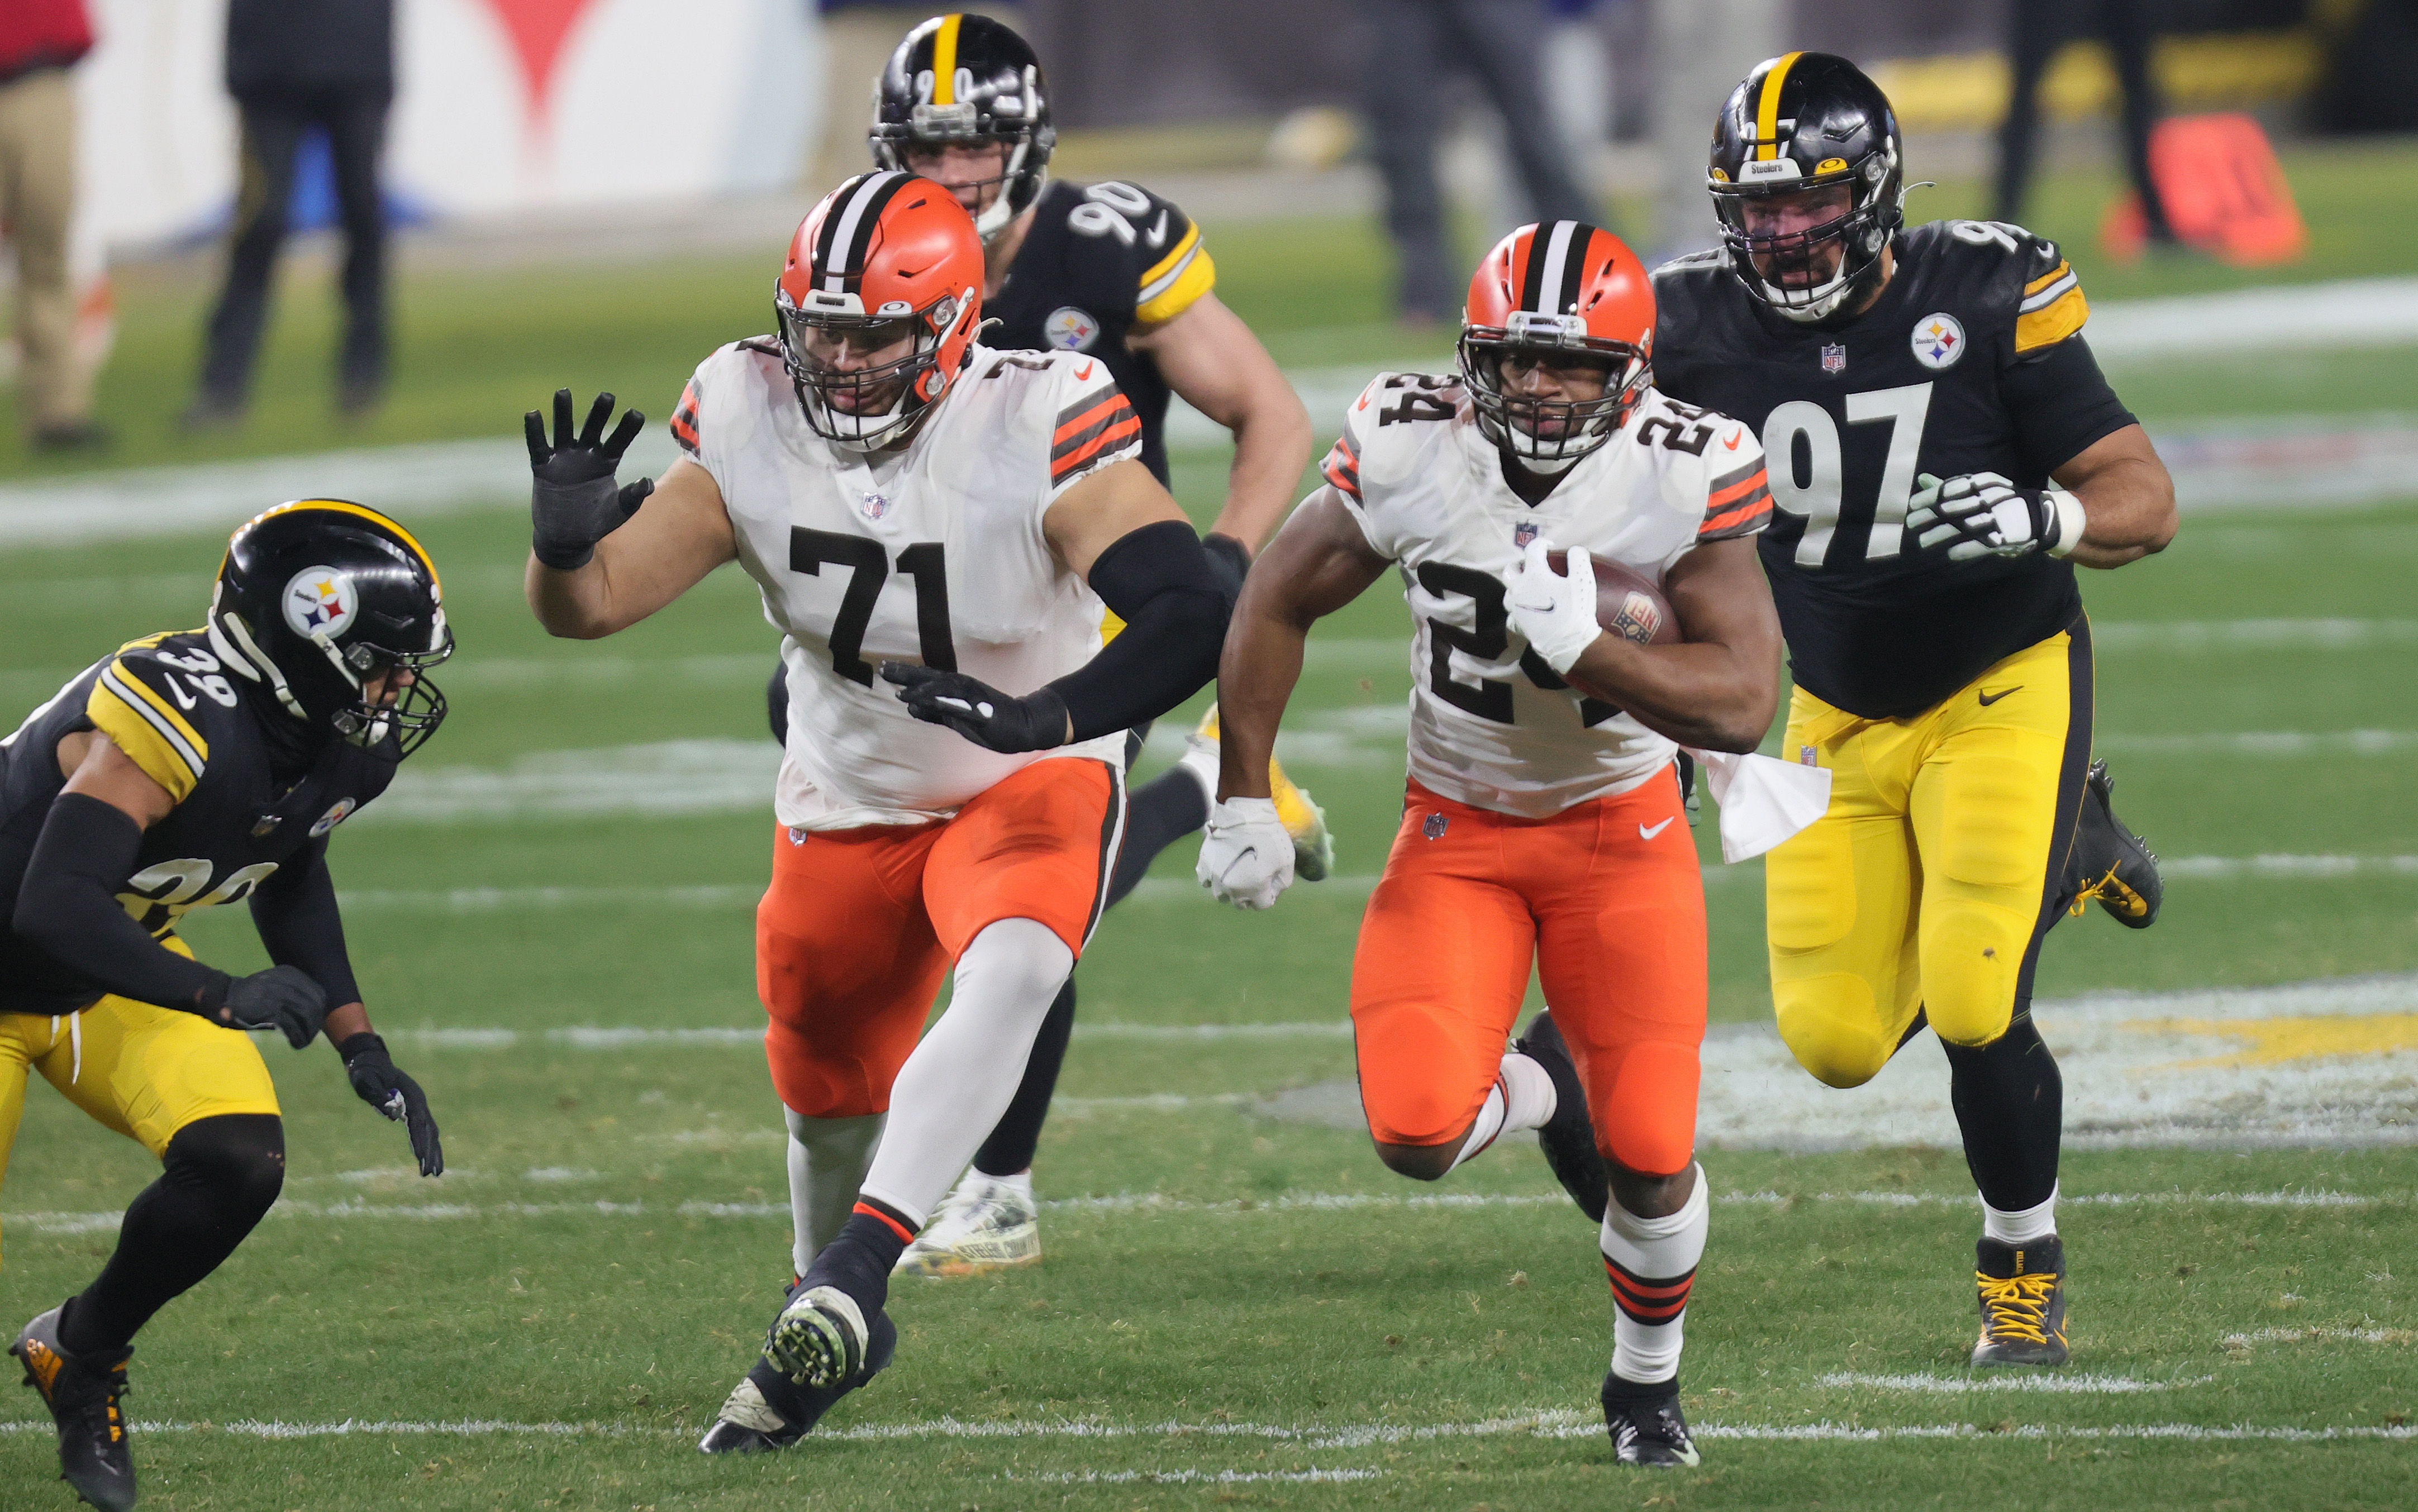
point(173, 707)
point(1095, 263)
point(1970, 362)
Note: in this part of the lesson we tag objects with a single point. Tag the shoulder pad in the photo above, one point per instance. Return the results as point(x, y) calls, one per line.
point(1712, 259)
point(1710, 466)
point(2005, 266)
point(156, 699)
point(1157, 245)
point(725, 368)
point(1390, 424)
point(1094, 424)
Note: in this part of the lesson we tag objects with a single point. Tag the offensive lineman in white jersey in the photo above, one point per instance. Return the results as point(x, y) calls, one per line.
point(936, 528)
point(1543, 823)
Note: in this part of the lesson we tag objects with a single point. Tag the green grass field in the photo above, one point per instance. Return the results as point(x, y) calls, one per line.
point(1237, 1307)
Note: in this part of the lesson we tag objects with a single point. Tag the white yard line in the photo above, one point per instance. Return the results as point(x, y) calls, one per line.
point(745, 1036)
point(2319, 1335)
point(2085, 1384)
point(1551, 1423)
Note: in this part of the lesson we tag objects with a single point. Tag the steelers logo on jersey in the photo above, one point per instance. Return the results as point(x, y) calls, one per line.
point(1938, 341)
point(336, 815)
point(320, 601)
point(1070, 329)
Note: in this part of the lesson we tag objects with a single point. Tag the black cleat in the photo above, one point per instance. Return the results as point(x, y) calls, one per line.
point(2109, 863)
point(2022, 1303)
point(1646, 1425)
point(767, 1412)
point(1568, 1138)
point(83, 1393)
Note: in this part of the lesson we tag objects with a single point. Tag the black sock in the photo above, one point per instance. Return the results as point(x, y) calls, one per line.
point(219, 1176)
point(859, 1260)
point(2011, 1104)
point(1009, 1149)
point(1160, 811)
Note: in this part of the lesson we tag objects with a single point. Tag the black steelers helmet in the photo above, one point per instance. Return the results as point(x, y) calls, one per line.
point(1808, 120)
point(968, 79)
point(316, 596)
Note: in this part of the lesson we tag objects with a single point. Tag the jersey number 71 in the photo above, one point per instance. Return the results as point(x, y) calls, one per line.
point(870, 566)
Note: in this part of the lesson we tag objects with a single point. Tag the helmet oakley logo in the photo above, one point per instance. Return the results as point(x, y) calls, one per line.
point(338, 815)
point(1938, 341)
point(1070, 329)
point(1831, 165)
point(896, 307)
point(1554, 329)
point(320, 601)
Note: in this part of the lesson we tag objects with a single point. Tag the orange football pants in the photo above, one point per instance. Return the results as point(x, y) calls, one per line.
point(860, 925)
point(1604, 898)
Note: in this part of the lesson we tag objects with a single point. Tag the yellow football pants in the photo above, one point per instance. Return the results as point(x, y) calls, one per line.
point(141, 1070)
point(1928, 885)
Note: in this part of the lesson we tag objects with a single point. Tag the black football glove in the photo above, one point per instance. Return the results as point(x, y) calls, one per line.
point(283, 998)
point(1982, 514)
point(377, 1082)
point(977, 711)
point(574, 502)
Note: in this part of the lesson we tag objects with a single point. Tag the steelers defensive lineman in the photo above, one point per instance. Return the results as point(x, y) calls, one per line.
point(1113, 271)
point(1943, 453)
point(185, 769)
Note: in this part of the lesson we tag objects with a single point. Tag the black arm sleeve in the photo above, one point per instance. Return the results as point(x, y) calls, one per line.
point(2061, 405)
point(296, 913)
point(1174, 602)
point(67, 905)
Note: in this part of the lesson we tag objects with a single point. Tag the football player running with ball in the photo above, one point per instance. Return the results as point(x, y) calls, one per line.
point(1944, 452)
point(937, 528)
point(185, 769)
point(1115, 272)
point(1544, 820)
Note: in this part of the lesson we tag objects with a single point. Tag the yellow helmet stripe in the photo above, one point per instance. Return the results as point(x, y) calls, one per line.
point(339, 506)
point(1766, 109)
point(945, 61)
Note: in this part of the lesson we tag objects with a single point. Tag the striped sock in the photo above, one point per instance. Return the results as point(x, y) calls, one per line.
point(1651, 1263)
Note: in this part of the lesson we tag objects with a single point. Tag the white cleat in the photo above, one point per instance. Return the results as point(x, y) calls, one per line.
point(985, 1225)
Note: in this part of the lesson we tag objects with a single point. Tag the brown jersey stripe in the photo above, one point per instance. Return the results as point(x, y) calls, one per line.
point(1083, 413)
point(1113, 437)
point(684, 420)
point(1745, 517)
point(1084, 429)
point(1730, 480)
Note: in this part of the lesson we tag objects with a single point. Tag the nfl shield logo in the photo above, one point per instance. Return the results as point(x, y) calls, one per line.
point(1434, 827)
point(1834, 358)
point(874, 505)
point(1522, 533)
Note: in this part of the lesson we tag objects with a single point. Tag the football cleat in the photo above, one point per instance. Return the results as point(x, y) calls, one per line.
point(2022, 1303)
point(1313, 844)
point(2109, 863)
point(1567, 1138)
point(820, 1339)
point(83, 1393)
point(1647, 1428)
point(985, 1225)
point(767, 1412)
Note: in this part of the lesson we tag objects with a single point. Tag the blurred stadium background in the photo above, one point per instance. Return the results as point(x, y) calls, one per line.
point(552, 909)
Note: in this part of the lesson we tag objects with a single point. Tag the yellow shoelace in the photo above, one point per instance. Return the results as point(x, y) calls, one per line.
point(2019, 1304)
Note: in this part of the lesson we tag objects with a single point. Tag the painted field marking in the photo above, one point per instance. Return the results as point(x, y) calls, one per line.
point(1154, 1205)
point(1195, 1477)
point(1551, 1423)
point(2085, 1384)
point(2319, 1335)
point(747, 1036)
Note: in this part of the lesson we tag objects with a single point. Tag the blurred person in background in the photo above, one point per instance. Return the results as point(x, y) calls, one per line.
point(2037, 29)
point(40, 41)
point(1417, 43)
point(294, 66)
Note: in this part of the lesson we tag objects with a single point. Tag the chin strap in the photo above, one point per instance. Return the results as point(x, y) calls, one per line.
point(253, 661)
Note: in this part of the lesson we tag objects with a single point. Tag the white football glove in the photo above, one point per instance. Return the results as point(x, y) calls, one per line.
point(1557, 612)
point(1245, 855)
point(1982, 514)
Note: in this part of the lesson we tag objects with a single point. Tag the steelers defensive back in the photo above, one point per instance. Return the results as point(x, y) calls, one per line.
point(1943, 453)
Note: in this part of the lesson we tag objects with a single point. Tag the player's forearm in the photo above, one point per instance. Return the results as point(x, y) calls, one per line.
point(1255, 679)
point(2129, 507)
point(574, 604)
point(347, 1021)
point(300, 925)
point(1272, 442)
point(67, 905)
point(1703, 693)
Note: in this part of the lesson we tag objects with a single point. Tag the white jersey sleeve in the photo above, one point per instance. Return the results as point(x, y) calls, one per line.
point(1380, 446)
point(1096, 425)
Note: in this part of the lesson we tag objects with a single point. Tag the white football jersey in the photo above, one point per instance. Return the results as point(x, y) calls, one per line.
point(1492, 726)
point(935, 555)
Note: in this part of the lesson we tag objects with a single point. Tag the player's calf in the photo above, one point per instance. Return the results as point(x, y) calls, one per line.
point(1524, 1097)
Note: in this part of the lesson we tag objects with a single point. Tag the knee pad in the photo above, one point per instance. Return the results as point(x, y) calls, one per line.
point(1646, 1121)
point(238, 1158)
point(1972, 958)
point(1809, 889)
point(815, 1083)
point(1833, 1028)
point(1994, 822)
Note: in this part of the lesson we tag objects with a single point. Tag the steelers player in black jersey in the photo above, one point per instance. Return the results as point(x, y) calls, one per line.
point(1113, 271)
point(1944, 452)
point(184, 770)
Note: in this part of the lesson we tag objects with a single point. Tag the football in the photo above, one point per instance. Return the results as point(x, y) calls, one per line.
point(1626, 601)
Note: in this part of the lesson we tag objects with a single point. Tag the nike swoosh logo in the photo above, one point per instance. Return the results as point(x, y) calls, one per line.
point(1989, 698)
point(1733, 442)
point(1157, 230)
point(1644, 834)
point(1083, 374)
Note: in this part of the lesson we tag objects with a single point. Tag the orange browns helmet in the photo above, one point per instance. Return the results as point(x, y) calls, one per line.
point(1564, 287)
point(886, 257)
